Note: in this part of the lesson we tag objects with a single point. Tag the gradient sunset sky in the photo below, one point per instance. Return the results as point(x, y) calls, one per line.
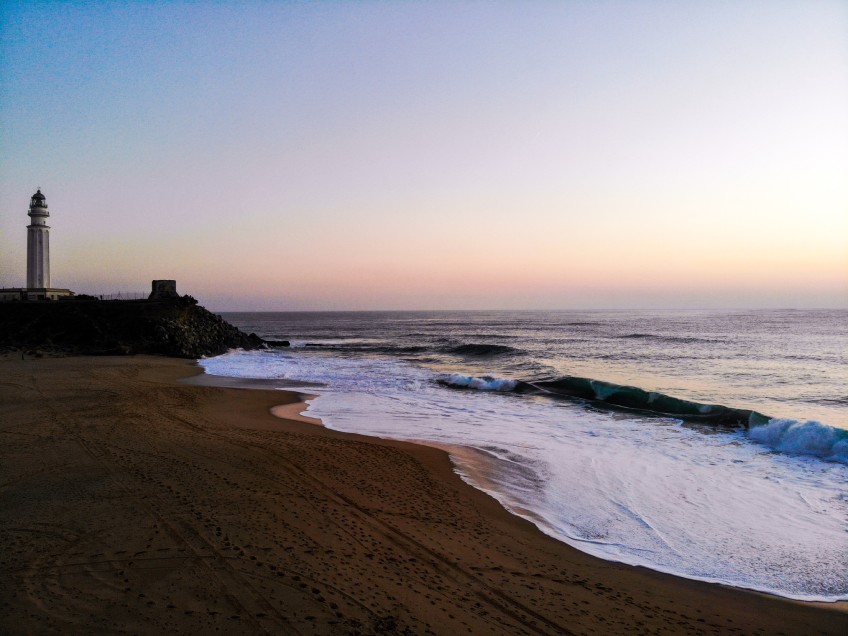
point(429, 155)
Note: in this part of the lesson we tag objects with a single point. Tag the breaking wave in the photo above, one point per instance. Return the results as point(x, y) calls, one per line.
point(784, 435)
point(617, 396)
point(654, 403)
point(484, 383)
point(803, 438)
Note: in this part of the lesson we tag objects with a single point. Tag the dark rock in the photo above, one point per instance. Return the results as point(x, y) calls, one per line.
point(255, 339)
point(277, 343)
point(178, 328)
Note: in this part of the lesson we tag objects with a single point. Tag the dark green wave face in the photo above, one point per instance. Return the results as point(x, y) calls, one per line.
point(616, 396)
point(481, 350)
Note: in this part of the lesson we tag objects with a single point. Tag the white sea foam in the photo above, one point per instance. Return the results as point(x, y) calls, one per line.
point(803, 438)
point(602, 389)
point(485, 383)
point(716, 507)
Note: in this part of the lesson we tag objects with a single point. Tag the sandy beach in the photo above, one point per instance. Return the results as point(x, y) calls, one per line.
point(133, 503)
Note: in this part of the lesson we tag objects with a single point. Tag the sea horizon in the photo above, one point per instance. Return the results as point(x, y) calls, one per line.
point(526, 310)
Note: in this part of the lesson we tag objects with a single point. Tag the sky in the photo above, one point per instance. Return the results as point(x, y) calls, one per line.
point(432, 155)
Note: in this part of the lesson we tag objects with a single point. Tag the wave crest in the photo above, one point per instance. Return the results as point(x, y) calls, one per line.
point(803, 438)
point(784, 435)
point(481, 350)
point(651, 336)
point(613, 395)
point(484, 383)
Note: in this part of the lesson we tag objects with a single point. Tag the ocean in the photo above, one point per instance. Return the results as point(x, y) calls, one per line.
point(708, 444)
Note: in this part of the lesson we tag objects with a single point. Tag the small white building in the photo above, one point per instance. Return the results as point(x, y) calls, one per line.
point(38, 258)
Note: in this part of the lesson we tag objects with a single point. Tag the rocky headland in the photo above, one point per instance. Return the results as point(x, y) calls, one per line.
point(176, 327)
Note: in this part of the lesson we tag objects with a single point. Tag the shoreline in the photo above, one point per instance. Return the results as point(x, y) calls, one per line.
point(474, 466)
point(134, 499)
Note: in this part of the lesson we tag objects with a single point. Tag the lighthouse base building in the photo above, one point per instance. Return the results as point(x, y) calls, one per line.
point(25, 293)
point(38, 258)
point(36, 293)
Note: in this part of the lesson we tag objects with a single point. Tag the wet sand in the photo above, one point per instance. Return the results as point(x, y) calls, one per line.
point(135, 503)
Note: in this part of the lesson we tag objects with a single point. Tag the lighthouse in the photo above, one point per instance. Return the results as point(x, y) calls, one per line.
point(38, 258)
point(38, 243)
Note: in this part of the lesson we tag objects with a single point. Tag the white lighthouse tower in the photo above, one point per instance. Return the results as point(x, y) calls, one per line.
point(38, 258)
point(38, 243)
